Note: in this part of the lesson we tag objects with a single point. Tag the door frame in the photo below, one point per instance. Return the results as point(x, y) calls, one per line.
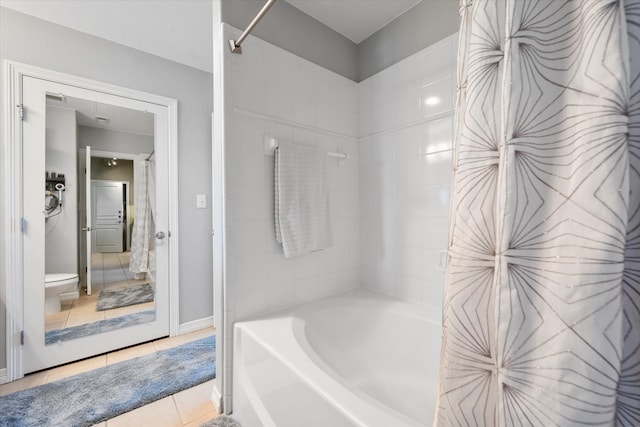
point(13, 182)
point(111, 154)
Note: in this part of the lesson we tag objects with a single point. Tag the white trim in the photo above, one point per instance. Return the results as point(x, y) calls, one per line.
point(110, 154)
point(216, 399)
point(11, 227)
point(12, 177)
point(93, 85)
point(174, 276)
point(3, 376)
point(195, 325)
point(217, 205)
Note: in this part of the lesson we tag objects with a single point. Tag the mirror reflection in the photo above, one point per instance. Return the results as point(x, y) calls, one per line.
point(99, 218)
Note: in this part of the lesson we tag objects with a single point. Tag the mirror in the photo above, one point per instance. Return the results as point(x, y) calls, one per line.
point(99, 218)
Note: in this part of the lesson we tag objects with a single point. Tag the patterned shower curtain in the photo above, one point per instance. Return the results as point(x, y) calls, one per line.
point(541, 320)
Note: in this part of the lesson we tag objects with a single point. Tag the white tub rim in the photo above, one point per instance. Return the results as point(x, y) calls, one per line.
point(294, 318)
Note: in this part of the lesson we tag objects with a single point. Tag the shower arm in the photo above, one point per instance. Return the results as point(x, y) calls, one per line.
point(235, 45)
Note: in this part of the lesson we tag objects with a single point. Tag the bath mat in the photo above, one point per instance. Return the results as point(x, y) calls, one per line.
point(92, 397)
point(80, 331)
point(221, 421)
point(116, 298)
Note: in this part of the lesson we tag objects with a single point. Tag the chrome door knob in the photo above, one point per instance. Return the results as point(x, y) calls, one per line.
point(160, 235)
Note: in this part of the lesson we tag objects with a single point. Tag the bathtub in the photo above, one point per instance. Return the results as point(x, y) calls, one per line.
point(356, 359)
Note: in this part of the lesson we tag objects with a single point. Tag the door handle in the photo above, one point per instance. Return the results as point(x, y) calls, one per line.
point(86, 229)
point(160, 235)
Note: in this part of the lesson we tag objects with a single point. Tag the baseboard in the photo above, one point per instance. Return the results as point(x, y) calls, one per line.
point(216, 399)
point(195, 325)
point(3, 376)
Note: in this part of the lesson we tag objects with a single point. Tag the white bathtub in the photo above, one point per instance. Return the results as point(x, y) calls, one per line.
point(357, 359)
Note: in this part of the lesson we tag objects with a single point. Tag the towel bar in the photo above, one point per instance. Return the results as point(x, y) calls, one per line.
point(271, 143)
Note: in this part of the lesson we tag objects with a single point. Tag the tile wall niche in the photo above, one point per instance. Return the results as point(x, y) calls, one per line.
point(405, 124)
point(269, 91)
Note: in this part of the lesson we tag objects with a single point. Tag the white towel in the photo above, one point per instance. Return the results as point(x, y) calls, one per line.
point(301, 200)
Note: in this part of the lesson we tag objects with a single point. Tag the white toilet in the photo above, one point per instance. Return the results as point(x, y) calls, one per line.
point(58, 288)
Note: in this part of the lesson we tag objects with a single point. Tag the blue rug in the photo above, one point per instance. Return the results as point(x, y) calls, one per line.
point(109, 299)
point(80, 331)
point(95, 396)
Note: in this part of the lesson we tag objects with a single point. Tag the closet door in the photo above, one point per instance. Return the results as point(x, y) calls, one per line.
point(87, 218)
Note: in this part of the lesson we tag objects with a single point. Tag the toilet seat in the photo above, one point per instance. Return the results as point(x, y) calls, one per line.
point(58, 279)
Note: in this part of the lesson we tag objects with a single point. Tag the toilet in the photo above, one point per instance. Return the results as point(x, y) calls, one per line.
point(58, 288)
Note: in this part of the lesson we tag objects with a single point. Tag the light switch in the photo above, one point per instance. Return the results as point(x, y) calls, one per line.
point(201, 201)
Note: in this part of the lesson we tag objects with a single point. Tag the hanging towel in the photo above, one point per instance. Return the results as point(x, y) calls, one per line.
point(141, 236)
point(301, 200)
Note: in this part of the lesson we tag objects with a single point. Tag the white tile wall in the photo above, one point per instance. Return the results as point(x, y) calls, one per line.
point(270, 91)
point(389, 202)
point(405, 124)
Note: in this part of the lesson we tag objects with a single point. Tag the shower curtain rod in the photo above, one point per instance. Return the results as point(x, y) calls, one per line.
point(235, 45)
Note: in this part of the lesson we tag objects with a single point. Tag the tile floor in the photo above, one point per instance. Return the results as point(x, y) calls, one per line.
point(190, 407)
point(108, 271)
point(111, 271)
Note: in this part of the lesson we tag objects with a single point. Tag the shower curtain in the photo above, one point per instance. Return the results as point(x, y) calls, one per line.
point(141, 260)
point(541, 309)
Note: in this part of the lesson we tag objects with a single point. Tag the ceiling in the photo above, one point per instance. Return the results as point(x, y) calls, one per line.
point(118, 118)
point(354, 19)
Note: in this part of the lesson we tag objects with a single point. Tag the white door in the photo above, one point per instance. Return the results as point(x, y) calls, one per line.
point(37, 355)
point(107, 207)
point(88, 220)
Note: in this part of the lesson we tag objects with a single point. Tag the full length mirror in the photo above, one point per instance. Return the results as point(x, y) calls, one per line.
point(99, 218)
point(68, 125)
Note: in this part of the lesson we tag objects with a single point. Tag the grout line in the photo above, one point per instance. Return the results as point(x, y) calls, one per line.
point(175, 408)
point(175, 405)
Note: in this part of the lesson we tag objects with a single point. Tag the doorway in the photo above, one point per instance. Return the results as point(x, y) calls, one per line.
point(30, 87)
point(109, 200)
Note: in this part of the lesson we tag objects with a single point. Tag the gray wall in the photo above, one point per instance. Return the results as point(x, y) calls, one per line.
point(295, 31)
point(113, 140)
point(123, 171)
point(421, 26)
point(61, 230)
point(40, 43)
